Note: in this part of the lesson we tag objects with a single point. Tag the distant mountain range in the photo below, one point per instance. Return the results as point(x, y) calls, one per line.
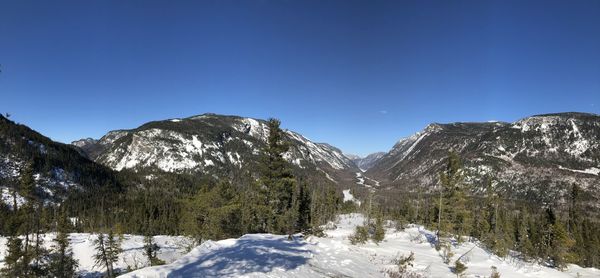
point(365, 163)
point(215, 145)
point(537, 158)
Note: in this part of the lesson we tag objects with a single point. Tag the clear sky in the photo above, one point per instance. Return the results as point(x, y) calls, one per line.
point(356, 74)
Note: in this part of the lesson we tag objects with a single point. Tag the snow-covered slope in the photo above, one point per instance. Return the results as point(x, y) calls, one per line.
point(538, 157)
point(365, 163)
point(58, 169)
point(208, 144)
point(267, 255)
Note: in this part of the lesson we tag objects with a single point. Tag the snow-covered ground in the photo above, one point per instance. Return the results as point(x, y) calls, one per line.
point(132, 257)
point(267, 255)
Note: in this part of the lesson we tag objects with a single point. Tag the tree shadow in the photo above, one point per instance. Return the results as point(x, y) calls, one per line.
point(431, 238)
point(247, 255)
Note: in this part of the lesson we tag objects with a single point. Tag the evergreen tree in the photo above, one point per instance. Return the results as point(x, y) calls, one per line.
point(279, 182)
point(379, 231)
point(107, 249)
point(14, 264)
point(61, 261)
point(561, 245)
point(304, 205)
point(151, 250)
point(453, 216)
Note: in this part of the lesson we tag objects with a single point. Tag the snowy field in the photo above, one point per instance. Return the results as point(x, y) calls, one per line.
point(267, 255)
point(132, 257)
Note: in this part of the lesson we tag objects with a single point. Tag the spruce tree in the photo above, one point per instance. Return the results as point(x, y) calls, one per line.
point(151, 250)
point(14, 265)
point(279, 182)
point(304, 205)
point(107, 249)
point(61, 261)
point(452, 213)
point(379, 230)
point(561, 246)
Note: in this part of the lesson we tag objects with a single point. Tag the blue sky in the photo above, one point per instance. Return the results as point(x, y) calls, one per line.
point(355, 74)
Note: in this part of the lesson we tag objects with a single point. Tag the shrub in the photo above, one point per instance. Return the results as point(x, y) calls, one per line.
point(360, 236)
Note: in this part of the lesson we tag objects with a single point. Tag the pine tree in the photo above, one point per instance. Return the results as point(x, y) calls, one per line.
point(379, 231)
point(62, 264)
point(561, 246)
point(452, 213)
point(279, 182)
point(151, 250)
point(28, 214)
point(14, 265)
point(304, 205)
point(523, 238)
point(107, 249)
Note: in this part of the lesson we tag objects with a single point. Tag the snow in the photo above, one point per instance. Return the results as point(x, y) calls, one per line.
point(363, 180)
point(321, 152)
point(591, 171)
point(171, 248)
point(349, 197)
point(7, 198)
point(156, 147)
point(267, 255)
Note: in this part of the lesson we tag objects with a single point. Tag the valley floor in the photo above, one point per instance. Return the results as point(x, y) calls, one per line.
point(267, 255)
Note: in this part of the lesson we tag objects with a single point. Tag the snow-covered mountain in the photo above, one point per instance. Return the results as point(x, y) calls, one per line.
point(213, 145)
point(58, 169)
point(365, 163)
point(538, 157)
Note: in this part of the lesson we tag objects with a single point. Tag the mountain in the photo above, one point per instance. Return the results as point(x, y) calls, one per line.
point(59, 169)
point(365, 163)
point(538, 157)
point(213, 145)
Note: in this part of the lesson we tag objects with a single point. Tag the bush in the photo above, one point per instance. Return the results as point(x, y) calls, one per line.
point(379, 231)
point(360, 236)
point(459, 268)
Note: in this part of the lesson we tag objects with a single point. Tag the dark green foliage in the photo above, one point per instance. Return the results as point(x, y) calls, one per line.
point(379, 230)
point(14, 263)
point(213, 213)
point(151, 250)
point(453, 215)
point(459, 268)
point(61, 262)
point(281, 185)
point(360, 236)
point(108, 248)
point(567, 233)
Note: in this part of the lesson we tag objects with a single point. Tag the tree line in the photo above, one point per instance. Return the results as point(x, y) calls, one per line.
point(556, 234)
